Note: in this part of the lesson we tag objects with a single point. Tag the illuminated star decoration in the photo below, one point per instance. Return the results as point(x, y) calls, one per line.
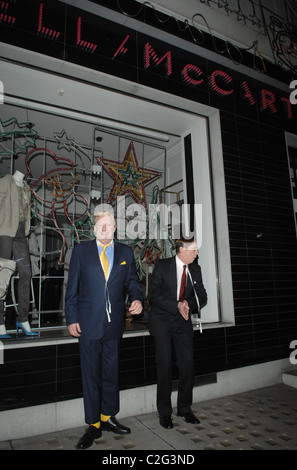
point(68, 143)
point(129, 177)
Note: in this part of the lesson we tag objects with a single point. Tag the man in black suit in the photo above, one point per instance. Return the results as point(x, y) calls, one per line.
point(172, 298)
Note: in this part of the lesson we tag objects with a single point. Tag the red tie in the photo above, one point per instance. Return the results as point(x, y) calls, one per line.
point(183, 285)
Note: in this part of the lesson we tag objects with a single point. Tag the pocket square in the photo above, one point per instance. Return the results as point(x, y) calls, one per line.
point(123, 262)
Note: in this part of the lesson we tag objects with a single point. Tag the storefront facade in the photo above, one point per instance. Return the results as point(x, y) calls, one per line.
point(220, 134)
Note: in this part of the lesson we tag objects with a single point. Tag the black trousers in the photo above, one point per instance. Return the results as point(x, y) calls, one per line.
point(182, 340)
point(17, 247)
point(100, 377)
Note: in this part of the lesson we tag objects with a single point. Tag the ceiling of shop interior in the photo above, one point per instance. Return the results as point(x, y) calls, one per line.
point(77, 141)
point(68, 135)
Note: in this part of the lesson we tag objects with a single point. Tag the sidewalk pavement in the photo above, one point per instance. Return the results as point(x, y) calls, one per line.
point(263, 419)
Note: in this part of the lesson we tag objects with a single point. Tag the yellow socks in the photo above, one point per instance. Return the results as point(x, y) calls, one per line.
point(104, 418)
point(96, 425)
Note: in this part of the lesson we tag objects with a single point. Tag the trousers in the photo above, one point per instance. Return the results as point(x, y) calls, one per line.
point(100, 377)
point(17, 247)
point(183, 345)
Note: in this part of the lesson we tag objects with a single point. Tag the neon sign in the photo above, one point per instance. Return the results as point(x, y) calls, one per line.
point(149, 52)
point(65, 32)
point(87, 45)
point(215, 87)
point(50, 33)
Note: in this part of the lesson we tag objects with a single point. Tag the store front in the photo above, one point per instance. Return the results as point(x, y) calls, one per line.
point(212, 138)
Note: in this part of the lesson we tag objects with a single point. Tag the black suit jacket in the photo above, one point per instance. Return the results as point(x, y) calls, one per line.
point(163, 296)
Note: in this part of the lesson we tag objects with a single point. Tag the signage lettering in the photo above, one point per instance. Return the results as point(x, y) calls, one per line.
point(247, 93)
point(215, 87)
point(81, 42)
point(149, 52)
point(80, 32)
point(288, 107)
point(187, 72)
point(121, 49)
point(4, 17)
point(268, 100)
point(45, 31)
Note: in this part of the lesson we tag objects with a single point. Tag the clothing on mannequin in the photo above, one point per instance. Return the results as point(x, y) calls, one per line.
point(7, 268)
point(15, 217)
point(18, 178)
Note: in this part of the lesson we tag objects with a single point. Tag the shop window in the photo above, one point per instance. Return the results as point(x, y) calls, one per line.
point(170, 156)
point(71, 167)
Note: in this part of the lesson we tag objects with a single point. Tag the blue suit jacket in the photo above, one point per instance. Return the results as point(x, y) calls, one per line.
point(85, 300)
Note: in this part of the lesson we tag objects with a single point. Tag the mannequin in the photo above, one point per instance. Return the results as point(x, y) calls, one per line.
point(15, 200)
point(18, 178)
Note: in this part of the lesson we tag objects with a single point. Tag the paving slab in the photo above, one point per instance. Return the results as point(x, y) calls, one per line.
point(263, 419)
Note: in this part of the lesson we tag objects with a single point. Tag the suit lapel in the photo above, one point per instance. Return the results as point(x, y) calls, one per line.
point(189, 286)
point(94, 251)
point(116, 258)
point(173, 275)
point(95, 259)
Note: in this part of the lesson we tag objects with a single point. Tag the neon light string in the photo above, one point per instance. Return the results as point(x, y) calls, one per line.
point(23, 129)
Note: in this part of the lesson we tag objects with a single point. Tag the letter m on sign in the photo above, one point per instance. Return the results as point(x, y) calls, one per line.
point(150, 54)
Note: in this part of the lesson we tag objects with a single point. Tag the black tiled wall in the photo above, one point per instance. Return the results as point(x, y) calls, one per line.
point(263, 255)
point(35, 375)
point(262, 238)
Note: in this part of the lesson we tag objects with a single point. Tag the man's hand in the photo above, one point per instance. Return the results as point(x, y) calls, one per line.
point(74, 329)
point(135, 307)
point(183, 308)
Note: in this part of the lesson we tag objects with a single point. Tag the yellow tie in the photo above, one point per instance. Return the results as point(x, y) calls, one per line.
point(104, 261)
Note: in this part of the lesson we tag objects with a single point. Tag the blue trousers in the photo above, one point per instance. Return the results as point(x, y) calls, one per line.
point(100, 377)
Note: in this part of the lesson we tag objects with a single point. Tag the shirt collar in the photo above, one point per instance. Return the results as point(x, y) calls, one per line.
point(101, 246)
point(179, 262)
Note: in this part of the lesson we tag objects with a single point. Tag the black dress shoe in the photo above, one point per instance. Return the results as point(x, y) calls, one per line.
point(189, 417)
point(166, 422)
point(88, 438)
point(113, 425)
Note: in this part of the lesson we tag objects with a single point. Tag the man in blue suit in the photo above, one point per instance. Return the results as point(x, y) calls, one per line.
point(101, 271)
